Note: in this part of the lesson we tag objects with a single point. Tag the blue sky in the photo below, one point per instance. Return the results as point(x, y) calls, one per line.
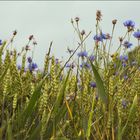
point(49, 21)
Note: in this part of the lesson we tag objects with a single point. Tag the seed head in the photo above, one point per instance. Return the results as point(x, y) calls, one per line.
point(19, 54)
point(27, 48)
point(14, 32)
point(121, 39)
point(98, 15)
point(83, 32)
point(77, 19)
point(31, 37)
point(114, 21)
point(29, 60)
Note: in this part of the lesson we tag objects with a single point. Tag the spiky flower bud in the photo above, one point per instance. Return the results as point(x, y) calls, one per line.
point(31, 37)
point(114, 21)
point(77, 19)
point(98, 15)
point(14, 32)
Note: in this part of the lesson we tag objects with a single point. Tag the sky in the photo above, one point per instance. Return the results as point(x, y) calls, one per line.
point(50, 21)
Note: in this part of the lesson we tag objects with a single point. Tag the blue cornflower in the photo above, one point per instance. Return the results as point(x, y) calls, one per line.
point(115, 65)
point(124, 103)
point(129, 23)
point(105, 36)
point(127, 44)
point(19, 67)
point(70, 65)
point(137, 34)
point(0, 42)
point(124, 58)
point(124, 64)
point(125, 77)
point(82, 54)
point(92, 57)
point(85, 64)
point(97, 97)
point(61, 77)
point(93, 84)
point(56, 60)
point(101, 37)
point(29, 60)
point(32, 66)
point(121, 57)
point(98, 38)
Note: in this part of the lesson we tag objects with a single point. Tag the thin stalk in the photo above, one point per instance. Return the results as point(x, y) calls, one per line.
point(73, 53)
point(111, 41)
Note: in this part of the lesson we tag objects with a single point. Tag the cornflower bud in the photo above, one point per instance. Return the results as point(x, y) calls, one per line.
point(114, 21)
point(98, 15)
point(31, 37)
point(14, 32)
point(83, 32)
point(77, 19)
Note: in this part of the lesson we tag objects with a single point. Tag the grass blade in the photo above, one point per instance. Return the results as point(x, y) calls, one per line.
point(100, 85)
point(90, 119)
point(130, 116)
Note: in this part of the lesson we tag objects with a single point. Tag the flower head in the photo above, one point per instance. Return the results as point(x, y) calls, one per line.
point(92, 57)
point(29, 60)
point(129, 23)
point(70, 65)
point(0, 42)
point(27, 47)
point(77, 19)
point(32, 66)
point(19, 67)
point(14, 32)
point(124, 103)
point(123, 57)
point(124, 64)
point(98, 15)
point(105, 36)
point(137, 34)
point(114, 21)
point(85, 64)
point(93, 84)
point(125, 77)
point(82, 54)
point(127, 44)
point(101, 37)
point(31, 37)
point(83, 32)
point(98, 38)
point(57, 61)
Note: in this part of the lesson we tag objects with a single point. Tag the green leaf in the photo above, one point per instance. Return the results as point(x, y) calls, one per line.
point(131, 115)
point(9, 132)
point(100, 85)
point(35, 133)
point(58, 111)
point(61, 95)
point(29, 109)
point(90, 119)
